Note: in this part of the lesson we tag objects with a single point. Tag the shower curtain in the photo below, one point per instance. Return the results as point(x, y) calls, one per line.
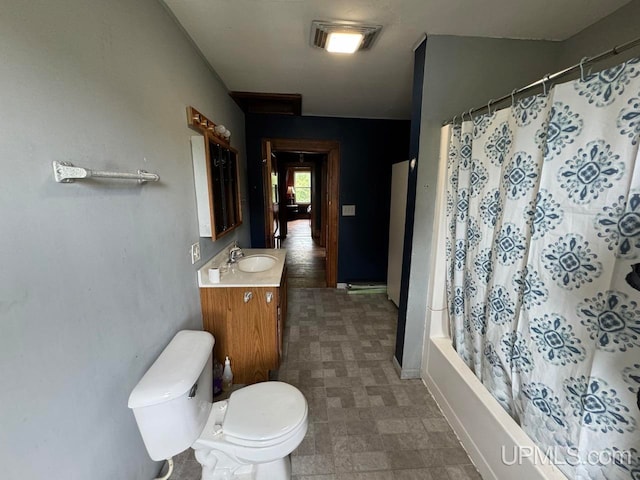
point(543, 210)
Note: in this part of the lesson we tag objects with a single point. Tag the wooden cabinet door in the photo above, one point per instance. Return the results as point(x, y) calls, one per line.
point(252, 327)
point(215, 310)
point(248, 325)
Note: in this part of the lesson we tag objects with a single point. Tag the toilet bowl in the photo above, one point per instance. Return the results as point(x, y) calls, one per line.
point(248, 436)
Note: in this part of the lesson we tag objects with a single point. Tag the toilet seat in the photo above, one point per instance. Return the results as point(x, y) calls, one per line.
point(264, 414)
point(277, 412)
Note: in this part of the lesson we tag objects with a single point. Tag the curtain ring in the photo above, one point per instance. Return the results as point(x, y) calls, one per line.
point(470, 116)
point(489, 105)
point(582, 68)
point(513, 96)
point(453, 122)
point(545, 79)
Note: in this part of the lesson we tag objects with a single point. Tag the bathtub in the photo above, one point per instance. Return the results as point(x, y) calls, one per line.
point(496, 444)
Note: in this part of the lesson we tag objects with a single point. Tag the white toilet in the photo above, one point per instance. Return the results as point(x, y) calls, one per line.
point(249, 436)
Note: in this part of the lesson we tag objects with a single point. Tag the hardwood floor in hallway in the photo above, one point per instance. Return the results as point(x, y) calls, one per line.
point(305, 259)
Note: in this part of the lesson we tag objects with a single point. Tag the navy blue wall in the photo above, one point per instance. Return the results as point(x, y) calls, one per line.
point(416, 118)
point(368, 148)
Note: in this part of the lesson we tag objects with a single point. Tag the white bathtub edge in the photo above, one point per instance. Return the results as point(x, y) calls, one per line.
point(477, 418)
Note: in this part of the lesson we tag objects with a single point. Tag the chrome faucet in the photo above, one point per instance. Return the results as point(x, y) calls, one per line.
point(235, 252)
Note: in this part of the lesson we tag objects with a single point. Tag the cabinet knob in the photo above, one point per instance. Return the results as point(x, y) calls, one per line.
point(248, 296)
point(269, 297)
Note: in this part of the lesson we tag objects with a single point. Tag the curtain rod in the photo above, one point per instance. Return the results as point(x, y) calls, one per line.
point(549, 77)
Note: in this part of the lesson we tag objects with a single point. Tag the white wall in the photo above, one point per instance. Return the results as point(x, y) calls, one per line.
point(95, 277)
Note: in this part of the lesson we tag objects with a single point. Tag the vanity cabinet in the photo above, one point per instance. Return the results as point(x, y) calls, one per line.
point(248, 326)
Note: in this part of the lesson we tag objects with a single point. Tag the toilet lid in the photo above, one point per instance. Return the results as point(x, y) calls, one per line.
point(264, 411)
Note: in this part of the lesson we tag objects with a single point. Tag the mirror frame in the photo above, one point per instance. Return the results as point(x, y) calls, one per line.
point(206, 128)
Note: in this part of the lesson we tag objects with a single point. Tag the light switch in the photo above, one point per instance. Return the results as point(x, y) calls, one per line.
point(348, 210)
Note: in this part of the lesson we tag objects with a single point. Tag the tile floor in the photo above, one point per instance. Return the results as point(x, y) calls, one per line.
point(364, 422)
point(305, 259)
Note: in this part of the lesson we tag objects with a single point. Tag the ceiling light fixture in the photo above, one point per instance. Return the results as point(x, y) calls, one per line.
point(343, 37)
point(344, 42)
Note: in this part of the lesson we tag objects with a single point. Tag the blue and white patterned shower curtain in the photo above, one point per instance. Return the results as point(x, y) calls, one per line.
point(543, 209)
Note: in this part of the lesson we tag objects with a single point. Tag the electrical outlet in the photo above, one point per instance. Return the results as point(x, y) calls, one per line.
point(195, 252)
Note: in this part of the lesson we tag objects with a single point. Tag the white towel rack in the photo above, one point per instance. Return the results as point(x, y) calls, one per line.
point(65, 172)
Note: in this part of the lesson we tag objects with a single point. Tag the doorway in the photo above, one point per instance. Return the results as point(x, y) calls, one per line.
point(302, 176)
point(301, 206)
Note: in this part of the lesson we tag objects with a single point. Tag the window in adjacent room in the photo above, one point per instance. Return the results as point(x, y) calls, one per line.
point(302, 185)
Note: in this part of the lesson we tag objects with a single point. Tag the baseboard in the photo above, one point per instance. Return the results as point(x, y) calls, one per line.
point(405, 374)
point(397, 366)
point(410, 373)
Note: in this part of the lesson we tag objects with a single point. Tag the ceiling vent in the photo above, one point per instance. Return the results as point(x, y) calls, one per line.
point(321, 31)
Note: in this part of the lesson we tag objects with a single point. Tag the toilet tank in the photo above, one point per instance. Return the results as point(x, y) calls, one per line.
point(172, 401)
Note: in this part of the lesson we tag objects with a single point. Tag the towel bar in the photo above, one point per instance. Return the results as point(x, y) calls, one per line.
point(65, 172)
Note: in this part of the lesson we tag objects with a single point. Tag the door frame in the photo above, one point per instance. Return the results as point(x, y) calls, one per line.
point(332, 149)
point(267, 168)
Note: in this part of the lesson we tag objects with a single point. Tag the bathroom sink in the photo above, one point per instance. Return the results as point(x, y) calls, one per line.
point(256, 263)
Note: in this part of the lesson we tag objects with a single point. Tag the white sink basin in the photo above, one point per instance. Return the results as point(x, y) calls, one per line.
point(256, 263)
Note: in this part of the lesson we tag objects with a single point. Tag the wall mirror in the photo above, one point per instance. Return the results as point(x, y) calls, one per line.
point(217, 182)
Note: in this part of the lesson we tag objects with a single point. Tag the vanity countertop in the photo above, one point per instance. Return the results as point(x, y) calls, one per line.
point(233, 277)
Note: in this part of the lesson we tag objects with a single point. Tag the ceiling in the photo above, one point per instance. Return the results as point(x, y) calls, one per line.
point(264, 45)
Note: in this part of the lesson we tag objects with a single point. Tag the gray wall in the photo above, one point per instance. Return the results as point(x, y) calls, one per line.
point(460, 73)
point(619, 27)
point(95, 277)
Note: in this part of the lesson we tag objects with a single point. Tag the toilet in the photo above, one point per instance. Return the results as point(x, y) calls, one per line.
point(248, 436)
